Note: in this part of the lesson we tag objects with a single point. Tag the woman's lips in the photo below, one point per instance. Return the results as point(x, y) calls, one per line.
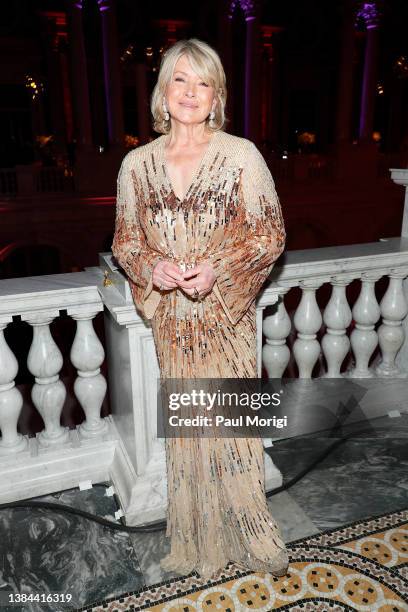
point(188, 105)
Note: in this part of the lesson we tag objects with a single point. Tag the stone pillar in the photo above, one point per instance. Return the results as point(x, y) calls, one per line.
point(252, 67)
point(143, 107)
point(79, 77)
point(394, 138)
point(112, 73)
point(54, 22)
point(252, 71)
point(370, 13)
point(345, 81)
point(270, 89)
point(225, 46)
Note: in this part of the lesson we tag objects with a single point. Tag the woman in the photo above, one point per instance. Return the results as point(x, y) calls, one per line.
point(198, 228)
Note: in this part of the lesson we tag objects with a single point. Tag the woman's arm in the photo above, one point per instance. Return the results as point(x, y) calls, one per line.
point(242, 268)
point(129, 245)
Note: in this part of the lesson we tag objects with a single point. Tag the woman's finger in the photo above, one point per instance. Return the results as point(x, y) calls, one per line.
point(165, 285)
point(201, 283)
point(191, 284)
point(173, 275)
point(193, 271)
point(169, 269)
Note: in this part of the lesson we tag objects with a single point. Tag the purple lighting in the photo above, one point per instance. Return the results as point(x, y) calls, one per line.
point(369, 13)
point(247, 6)
point(104, 5)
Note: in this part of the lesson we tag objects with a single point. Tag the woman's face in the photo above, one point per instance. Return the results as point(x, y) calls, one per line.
point(189, 100)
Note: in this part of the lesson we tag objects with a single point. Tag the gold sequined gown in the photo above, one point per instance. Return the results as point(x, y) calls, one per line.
point(231, 217)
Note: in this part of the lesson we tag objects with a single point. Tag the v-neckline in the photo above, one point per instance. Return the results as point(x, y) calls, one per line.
point(195, 173)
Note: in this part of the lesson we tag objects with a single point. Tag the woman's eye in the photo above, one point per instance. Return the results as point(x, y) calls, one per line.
point(178, 79)
point(205, 84)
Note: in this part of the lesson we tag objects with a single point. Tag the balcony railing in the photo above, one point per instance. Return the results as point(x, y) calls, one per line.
point(123, 447)
point(32, 179)
point(8, 181)
point(368, 334)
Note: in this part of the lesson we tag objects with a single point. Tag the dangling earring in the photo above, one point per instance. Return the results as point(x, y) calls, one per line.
point(166, 112)
point(211, 122)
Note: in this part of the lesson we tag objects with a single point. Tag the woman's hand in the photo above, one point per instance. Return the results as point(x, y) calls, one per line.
point(202, 277)
point(167, 275)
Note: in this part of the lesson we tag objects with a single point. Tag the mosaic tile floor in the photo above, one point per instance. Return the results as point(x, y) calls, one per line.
point(358, 567)
point(45, 552)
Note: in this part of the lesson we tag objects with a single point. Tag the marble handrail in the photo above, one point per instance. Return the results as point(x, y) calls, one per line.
point(124, 447)
point(39, 300)
point(310, 269)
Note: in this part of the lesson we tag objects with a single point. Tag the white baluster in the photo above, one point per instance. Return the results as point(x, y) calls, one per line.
point(307, 320)
point(48, 393)
point(391, 335)
point(364, 339)
point(337, 317)
point(276, 328)
point(11, 400)
point(87, 355)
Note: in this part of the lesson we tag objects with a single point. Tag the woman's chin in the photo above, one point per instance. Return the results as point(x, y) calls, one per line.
point(188, 118)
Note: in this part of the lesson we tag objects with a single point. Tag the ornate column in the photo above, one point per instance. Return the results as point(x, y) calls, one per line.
point(345, 81)
point(11, 401)
point(369, 13)
point(79, 74)
point(45, 361)
point(143, 110)
point(391, 333)
point(252, 67)
point(54, 22)
point(270, 90)
point(364, 337)
point(307, 321)
point(87, 355)
point(276, 328)
point(337, 318)
point(225, 44)
point(112, 73)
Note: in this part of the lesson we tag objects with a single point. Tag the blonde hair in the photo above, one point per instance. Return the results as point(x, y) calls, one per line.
point(206, 62)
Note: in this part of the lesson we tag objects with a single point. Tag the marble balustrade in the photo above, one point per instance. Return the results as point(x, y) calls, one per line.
point(124, 447)
point(374, 324)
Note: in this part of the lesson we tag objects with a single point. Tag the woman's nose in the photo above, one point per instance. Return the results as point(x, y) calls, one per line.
point(190, 91)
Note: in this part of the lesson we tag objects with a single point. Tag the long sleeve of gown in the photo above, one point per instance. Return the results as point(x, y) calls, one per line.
point(243, 267)
point(130, 247)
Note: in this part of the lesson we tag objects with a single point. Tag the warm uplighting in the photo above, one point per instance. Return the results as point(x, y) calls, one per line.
point(401, 67)
point(35, 87)
point(127, 54)
point(131, 141)
point(376, 136)
point(380, 89)
point(306, 138)
point(43, 139)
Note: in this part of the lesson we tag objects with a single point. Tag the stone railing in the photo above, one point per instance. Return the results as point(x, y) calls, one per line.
point(55, 457)
point(123, 447)
point(298, 167)
point(30, 179)
point(8, 181)
point(52, 180)
point(338, 266)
